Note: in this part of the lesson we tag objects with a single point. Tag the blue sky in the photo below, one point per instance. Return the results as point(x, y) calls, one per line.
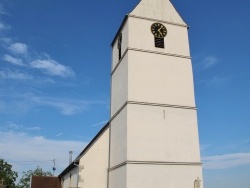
point(55, 61)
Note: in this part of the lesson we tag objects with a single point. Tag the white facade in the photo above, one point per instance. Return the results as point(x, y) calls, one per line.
point(153, 114)
point(95, 163)
point(90, 167)
point(70, 179)
point(152, 137)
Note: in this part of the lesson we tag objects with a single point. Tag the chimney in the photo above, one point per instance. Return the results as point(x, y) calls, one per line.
point(70, 157)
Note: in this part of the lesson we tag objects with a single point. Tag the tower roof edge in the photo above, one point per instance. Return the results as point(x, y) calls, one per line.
point(158, 10)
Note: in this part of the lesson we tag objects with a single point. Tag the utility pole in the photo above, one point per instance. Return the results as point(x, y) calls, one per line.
point(54, 167)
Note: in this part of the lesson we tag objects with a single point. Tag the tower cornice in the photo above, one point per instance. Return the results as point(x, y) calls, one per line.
point(147, 51)
point(144, 18)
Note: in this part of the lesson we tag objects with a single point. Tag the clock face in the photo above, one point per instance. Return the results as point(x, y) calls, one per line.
point(158, 30)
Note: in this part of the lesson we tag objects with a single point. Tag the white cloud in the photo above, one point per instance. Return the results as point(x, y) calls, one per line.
point(226, 161)
point(5, 42)
point(100, 123)
point(24, 151)
point(13, 60)
point(218, 80)
point(2, 11)
point(65, 106)
point(22, 103)
point(4, 26)
point(33, 128)
point(59, 134)
point(18, 48)
point(215, 80)
point(1, 26)
point(52, 67)
point(205, 146)
point(10, 126)
point(14, 75)
point(209, 62)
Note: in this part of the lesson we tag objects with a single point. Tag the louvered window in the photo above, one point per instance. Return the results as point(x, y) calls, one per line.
point(159, 42)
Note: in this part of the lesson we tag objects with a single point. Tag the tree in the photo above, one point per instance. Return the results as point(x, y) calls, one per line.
point(7, 174)
point(25, 180)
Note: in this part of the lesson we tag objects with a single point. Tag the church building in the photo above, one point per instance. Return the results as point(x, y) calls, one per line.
point(151, 139)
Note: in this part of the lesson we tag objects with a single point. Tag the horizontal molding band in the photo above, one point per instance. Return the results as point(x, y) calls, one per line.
point(163, 105)
point(156, 163)
point(146, 51)
point(161, 53)
point(151, 104)
point(119, 62)
point(157, 20)
point(118, 111)
point(117, 166)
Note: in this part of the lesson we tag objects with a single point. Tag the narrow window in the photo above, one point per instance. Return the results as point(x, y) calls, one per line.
point(120, 46)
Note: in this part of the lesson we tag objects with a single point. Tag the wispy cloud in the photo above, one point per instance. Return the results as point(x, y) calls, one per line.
point(209, 61)
point(51, 67)
point(33, 128)
point(226, 161)
point(13, 60)
point(5, 42)
point(59, 134)
point(1, 26)
point(14, 75)
point(218, 80)
point(17, 147)
point(205, 146)
point(2, 11)
point(215, 80)
point(13, 127)
point(22, 54)
point(100, 123)
point(21, 103)
point(204, 61)
point(65, 106)
point(4, 26)
point(19, 48)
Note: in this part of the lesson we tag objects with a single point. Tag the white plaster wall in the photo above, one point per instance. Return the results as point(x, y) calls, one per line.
point(140, 37)
point(119, 91)
point(118, 178)
point(162, 176)
point(118, 143)
point(70, 179)
point(161, 79)
point(94, 164)
point(162, 134)
point(159, 10)
point(148, 133)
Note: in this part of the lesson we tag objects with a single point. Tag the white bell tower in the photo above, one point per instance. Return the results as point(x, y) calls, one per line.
point(154, 139)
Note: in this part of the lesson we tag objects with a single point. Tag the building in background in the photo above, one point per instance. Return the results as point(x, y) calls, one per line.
point(152, 137)
point(45, 182)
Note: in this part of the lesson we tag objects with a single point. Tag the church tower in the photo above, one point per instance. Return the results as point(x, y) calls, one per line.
point(154, 139)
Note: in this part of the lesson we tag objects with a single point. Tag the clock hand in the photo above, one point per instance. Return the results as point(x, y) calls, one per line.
point(160, 29)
